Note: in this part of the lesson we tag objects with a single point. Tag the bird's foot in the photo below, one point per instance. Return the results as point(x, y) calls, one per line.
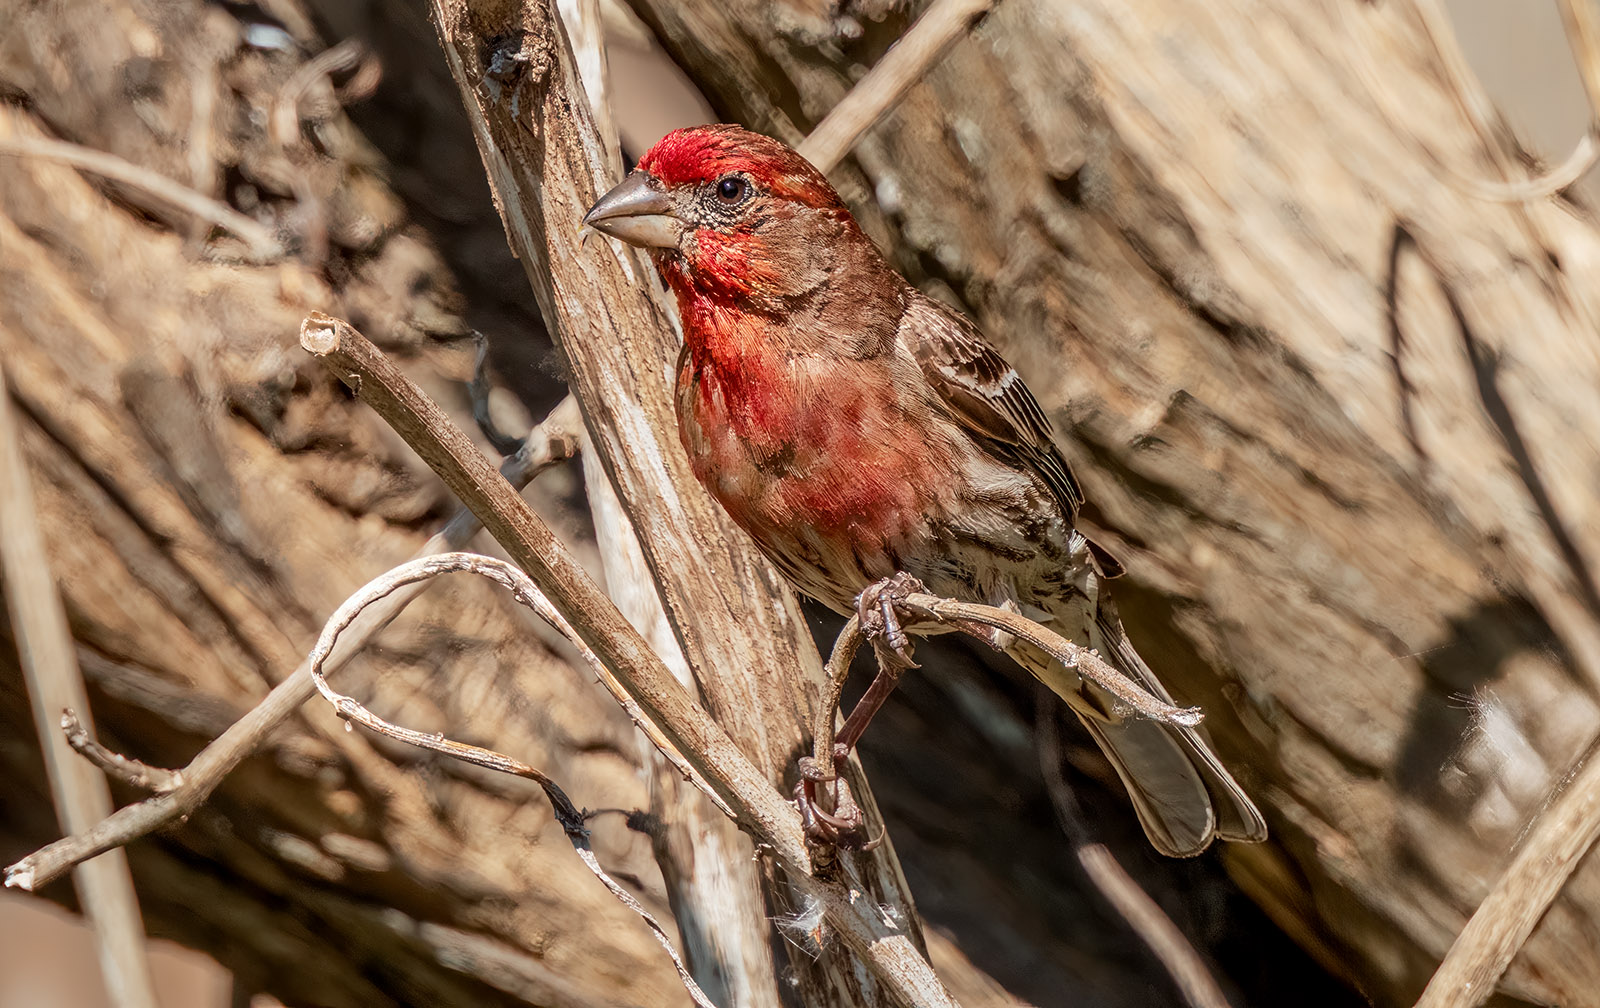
point(828, 812)
point(881, 608)
point(845, 826)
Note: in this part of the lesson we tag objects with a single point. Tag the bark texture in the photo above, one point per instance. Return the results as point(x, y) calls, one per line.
point(1337, 413)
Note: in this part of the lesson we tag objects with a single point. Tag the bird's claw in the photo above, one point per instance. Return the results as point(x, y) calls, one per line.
point(846, 826)
point(879, 608)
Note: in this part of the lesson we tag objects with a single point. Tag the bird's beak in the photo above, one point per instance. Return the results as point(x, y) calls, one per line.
point(638, 212)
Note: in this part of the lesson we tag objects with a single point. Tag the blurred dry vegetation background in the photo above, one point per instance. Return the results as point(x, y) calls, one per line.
point(1335, 398)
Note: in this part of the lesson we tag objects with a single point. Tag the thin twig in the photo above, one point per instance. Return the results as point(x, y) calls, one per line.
point(1082, 660)
point(903, 65)
point(1143, 915)
point(262, 244)
point(954, 613)
point(551, 441)
point(284, 128)
point(528, 594)
point(284, 123)
point(54, 681)
point(1582, 22)
point(130, 771)
point(1537, 187)
point(845, 647)
point(478, 389)
point(1551, 849)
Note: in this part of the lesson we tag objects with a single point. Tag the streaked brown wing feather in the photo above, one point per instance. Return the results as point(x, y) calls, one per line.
point(984, 392)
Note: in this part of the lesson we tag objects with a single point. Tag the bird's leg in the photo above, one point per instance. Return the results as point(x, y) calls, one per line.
point(879, 608)
point(861, 714)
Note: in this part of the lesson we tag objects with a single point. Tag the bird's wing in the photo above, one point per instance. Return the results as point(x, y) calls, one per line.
point(985, 394)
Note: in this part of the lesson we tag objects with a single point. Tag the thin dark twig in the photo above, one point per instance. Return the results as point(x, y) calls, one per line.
point(478, 391)
point(130, 771)
point(522, 588)
point(1188, 971)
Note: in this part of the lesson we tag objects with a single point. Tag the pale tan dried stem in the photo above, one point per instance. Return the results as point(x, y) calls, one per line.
point(130, 771)
point(284, 121)
point(903, 65)
point(1080, 659)
point(420, 571)
point(1582, 21)
point(1510, 190)
point(1550, 851)
point(551, 441)
point(54, 682)
point(845, 647)
point(713, 885)
point(262, 244)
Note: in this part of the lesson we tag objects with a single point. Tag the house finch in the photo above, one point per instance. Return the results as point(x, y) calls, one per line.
point(857, 429)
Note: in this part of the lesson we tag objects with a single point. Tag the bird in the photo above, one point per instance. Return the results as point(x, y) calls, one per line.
point(859, 430)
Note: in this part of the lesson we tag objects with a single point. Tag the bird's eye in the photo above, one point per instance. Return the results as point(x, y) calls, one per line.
point(732, 189)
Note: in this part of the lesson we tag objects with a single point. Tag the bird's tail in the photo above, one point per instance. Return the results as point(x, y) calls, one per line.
point(1183, 794)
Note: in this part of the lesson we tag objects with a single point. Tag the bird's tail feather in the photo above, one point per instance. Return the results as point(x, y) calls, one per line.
point(1182, 793)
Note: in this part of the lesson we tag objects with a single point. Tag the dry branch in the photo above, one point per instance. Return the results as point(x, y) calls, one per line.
point(54, 682)
point(262, 244)
point(527, 594)
point(478, 389)
point(1554, 845)
point(1144, 917)
point(1084, 660)
point(967, 617)
point(129, 771)
point(886, 83)
point(712, 879)
point(548, 443)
